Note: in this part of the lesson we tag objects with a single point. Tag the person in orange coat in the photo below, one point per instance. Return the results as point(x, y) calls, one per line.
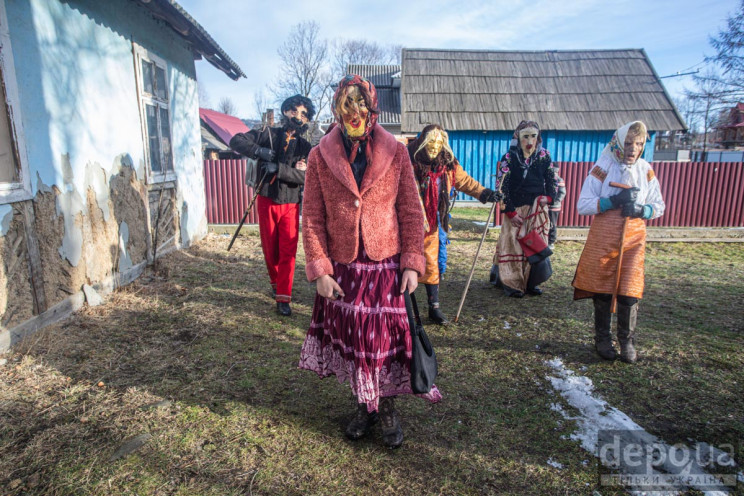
point(363, 248)
point(439, 176)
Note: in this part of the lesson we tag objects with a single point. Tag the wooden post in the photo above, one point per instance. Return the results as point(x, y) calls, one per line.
point(613, 307)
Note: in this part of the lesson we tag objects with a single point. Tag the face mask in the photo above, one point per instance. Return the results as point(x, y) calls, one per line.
point(528, 140)
point(354, 113)
point(434, 145)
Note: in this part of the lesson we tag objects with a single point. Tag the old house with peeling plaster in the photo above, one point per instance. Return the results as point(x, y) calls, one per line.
point(100, 148)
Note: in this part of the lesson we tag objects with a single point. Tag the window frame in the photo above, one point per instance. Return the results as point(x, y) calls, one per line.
point(145, 99)
point(20, 190)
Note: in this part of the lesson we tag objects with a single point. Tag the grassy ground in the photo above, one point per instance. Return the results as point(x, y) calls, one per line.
point(192, 361)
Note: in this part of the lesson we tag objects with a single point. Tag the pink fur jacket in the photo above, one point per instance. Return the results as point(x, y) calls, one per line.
point(387, 209)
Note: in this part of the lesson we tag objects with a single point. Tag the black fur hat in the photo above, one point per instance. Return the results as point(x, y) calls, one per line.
point(294, 101)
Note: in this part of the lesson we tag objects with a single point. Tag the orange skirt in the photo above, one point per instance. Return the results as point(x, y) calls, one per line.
point(431, 253)
point(597, 269)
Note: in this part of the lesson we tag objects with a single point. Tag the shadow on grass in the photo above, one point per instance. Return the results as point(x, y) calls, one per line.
point(202, 332)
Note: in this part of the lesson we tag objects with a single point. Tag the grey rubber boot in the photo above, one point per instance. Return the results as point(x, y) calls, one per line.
point(361, 422)
point(602, 332)
point(392, 432)
point(626, 325)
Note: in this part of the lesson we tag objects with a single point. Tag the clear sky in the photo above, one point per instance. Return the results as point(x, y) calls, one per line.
point(674, 33)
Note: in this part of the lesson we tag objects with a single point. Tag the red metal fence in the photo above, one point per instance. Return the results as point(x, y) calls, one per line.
point(227, 194)
point(697, 194)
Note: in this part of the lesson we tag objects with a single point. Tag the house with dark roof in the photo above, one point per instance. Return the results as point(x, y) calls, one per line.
point(386, 79)
point(101, 168)
point(579, 98)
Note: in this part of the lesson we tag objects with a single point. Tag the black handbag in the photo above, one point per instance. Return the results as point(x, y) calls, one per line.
point(424, 360)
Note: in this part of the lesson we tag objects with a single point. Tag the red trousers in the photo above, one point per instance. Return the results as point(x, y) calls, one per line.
point(279, 227)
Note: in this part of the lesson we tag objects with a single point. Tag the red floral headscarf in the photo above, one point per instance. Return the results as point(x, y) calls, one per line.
point(369, 93)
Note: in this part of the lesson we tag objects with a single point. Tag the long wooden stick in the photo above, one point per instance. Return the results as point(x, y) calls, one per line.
point(247, 211)
point(613, 306)
point(472, 269)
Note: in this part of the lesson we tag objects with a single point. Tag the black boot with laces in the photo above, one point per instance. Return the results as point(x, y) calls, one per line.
point(361, 422)
point(392, 432)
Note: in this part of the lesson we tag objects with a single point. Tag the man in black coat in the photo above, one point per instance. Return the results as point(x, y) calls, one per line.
point(281, 153)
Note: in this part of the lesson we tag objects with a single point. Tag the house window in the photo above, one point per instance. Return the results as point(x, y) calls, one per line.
point(15, 184)
point(8, 161)
point(14, 178)
point(152, 79)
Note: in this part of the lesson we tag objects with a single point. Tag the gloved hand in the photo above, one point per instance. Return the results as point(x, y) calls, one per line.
point(265, 154)
point(625, 196)
point(270, 168)
point(489, 195)
point(634, 210)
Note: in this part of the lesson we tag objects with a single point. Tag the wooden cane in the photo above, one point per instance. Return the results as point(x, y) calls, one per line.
point(247, 210)
point(613, 306)
point(472, 269)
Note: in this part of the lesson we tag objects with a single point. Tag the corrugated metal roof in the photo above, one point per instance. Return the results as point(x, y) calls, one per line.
point(379, 75)
point(223, 125)
point(588, 90)
point(388, 95)
point(186, 26)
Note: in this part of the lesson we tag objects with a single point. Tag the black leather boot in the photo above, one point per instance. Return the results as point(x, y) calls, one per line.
point(602, 323)
point(361, 422)
point(282, 308)
point(392, 432)
point(432, 296)
point(627, 314)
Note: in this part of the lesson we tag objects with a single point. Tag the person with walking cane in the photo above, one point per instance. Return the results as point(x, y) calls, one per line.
point(527, 180)
point(621, 192)
point(281, 153)
point(364, 247)
point(439, 177)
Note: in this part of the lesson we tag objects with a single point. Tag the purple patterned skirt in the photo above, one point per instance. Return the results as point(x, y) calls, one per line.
point(364, 337)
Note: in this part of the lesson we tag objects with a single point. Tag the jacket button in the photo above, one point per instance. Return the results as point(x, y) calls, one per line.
point(356, 203)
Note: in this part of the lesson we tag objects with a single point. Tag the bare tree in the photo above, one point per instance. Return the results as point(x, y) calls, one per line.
point(304, 68)
point(347, 52)
point(260, 103)
point(729, 46)
point(689, 110)
point(204, 101)
point(361, 52)
point(707, 99)
point(395, 53)
point(227, 106)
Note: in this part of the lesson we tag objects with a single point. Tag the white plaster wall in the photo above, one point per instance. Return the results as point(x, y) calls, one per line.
point(75, 72)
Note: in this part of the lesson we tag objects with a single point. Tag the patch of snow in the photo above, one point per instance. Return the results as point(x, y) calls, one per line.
point(507, 325)
point(595, 415)
point(555, 464)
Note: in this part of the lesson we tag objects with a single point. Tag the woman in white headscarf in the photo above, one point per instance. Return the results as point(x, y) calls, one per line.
point(621, 191)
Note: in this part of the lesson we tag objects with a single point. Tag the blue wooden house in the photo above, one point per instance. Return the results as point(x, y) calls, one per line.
point(579, 98)
point(100, 148)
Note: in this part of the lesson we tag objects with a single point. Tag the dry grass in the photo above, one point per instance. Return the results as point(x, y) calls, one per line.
point(194, 355)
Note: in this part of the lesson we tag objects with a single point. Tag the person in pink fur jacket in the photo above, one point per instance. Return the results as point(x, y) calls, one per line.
point(364, 246)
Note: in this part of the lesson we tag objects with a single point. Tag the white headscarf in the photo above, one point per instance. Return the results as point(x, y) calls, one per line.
point(614, 149)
